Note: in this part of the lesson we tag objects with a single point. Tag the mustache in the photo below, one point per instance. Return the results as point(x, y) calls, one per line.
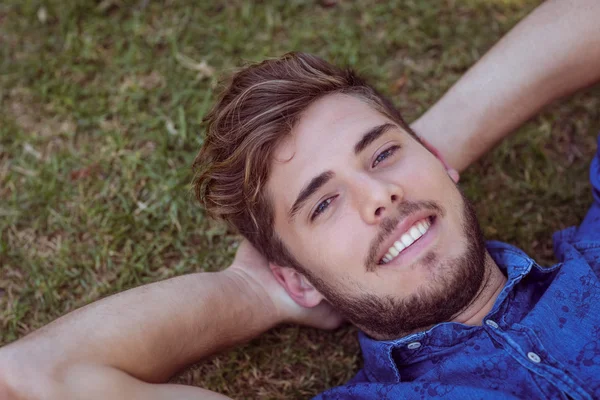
point(387, 226)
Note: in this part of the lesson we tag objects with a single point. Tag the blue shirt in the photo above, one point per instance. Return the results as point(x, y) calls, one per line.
point(541, 340)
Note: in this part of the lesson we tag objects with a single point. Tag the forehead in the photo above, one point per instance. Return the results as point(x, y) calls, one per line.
point(323, 139)
point(334, 118)
point(332, 121)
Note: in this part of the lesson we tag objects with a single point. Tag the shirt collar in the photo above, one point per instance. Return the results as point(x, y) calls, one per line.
point(379, 364)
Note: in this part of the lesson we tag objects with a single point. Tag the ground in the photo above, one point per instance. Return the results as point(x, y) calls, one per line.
point(100, 119)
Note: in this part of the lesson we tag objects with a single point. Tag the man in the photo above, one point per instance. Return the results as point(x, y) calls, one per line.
point(344, 202)
point(350, 208)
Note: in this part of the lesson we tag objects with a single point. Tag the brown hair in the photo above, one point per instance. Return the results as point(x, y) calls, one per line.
point(257, 109)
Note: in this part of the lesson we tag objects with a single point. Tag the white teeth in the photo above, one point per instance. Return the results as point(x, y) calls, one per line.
point(399, 246)
point(414, 233)
point(407, 240)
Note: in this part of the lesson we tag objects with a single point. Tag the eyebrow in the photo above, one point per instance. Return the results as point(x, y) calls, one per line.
point(315, 184)
point(371, 135)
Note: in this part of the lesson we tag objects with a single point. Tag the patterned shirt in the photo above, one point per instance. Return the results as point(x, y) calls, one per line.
point(541, 340)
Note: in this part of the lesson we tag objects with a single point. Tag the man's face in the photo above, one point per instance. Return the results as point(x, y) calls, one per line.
point(374, 217)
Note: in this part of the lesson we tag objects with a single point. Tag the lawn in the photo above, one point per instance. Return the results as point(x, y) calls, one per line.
point(100, 119)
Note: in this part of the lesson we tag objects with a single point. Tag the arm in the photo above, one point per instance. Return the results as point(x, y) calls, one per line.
point(553, 52)
point(114, 347)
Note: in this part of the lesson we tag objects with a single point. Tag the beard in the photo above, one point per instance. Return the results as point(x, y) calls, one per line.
point(451, 290)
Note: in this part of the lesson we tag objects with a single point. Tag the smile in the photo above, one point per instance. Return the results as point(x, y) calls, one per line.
point(412, 234)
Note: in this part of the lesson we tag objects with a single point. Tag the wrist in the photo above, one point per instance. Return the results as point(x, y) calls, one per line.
point(259, 299)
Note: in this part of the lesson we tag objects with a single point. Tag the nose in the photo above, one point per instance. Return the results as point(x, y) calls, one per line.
point(378, 199)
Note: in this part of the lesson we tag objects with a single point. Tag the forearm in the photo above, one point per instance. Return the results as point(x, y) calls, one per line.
point(92, 382)
point(96, 382)
point(551, 53)
point(152, 331)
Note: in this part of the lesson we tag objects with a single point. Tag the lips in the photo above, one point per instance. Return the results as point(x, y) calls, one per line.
point(414, 233)
point(406, 233)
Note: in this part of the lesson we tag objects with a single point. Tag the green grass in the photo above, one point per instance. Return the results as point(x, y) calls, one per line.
point(101, 103)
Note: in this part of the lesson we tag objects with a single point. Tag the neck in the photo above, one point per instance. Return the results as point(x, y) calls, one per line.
point(491, 286)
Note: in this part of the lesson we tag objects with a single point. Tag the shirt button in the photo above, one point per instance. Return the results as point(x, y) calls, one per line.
point(534, 357)
point(414, 345)
point(491, 323)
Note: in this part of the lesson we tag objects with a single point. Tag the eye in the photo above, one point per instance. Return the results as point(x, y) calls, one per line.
point(384, 154)
point(321, 208)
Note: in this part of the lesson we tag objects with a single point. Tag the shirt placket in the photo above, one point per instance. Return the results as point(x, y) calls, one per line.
point(524, 346)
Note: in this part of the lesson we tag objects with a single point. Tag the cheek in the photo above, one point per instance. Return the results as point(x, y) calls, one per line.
point(425, 178)
point(339, 247)
point(414, 170)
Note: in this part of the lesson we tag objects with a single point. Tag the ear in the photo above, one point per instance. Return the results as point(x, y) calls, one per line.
point(297, 286)
point(454, 175)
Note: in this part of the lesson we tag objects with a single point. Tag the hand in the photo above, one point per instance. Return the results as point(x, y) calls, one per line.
point(254, 269)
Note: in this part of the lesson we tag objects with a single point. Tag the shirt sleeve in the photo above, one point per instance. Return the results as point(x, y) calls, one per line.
point(589, 230)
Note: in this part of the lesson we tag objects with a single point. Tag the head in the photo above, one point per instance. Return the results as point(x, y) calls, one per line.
point(323, 176)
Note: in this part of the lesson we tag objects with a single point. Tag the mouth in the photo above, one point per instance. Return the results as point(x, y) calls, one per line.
point(408, 238)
